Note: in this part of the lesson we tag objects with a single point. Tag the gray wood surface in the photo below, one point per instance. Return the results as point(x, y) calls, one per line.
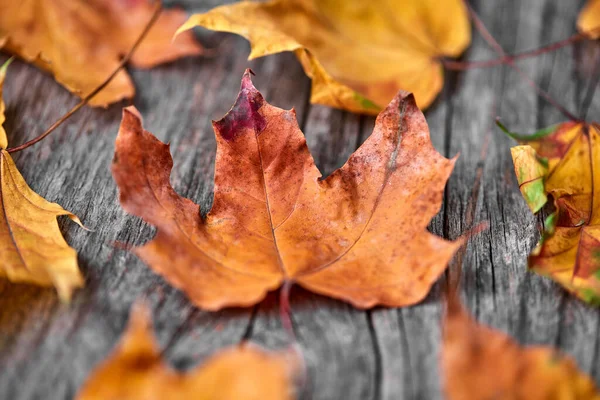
point(48, 348)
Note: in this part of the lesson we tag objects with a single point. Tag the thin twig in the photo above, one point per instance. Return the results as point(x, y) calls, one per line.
point(285, 310)
point(487, 36)
point(285, 315)
point(591, 90)
point(91, 95)
point(464, 65)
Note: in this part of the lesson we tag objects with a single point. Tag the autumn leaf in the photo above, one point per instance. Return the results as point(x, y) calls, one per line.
point(3, 139)
point(32, 248)
point(135, 370)
point(562, 162)
point(589, 19)
point(81, 42)
point(359, 235)
point(480, 363)
point(358, 53)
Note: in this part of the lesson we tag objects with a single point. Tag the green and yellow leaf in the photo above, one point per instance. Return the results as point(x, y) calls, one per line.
point(564, 163)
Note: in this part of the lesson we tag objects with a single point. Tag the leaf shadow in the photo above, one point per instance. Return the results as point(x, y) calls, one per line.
point(26, 312)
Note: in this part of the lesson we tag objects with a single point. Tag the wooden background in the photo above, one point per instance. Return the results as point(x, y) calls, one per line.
point(48, 348)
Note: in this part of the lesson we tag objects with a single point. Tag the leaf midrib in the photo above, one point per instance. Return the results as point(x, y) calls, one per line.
point(4, 213)
point(390, 167)
point(183, 231)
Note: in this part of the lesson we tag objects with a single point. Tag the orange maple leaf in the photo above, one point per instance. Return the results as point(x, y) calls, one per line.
point(562, 162)
point(32, 248)
point(81, 41)
point(358, 53)
point(135, 371)
point(359, 235)
point(480, 363)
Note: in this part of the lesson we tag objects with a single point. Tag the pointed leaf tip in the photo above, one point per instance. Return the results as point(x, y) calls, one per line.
point(140, 317)
point(132, 110)
point(4, 67)
point(406, 98)
point(131, 121)
point(402, 104)
point(525, 138)
point(247, 79)
point(244, 115)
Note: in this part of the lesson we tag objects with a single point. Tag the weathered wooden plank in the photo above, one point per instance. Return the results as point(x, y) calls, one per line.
point(497, 287)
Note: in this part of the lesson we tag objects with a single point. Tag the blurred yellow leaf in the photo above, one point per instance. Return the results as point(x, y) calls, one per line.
point(135, 371)
point(359, 53)
point(480, 363)
point(563, 162)
point(81, 42)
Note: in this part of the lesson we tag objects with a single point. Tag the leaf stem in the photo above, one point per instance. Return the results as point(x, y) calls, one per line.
point(285, 314)
point(487, 36)
point(462, 66)
point(591, 90)
point(285, 310)
point(92, 94)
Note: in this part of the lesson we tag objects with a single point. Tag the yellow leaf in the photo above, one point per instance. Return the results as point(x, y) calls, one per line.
point(361, 52)
point(564, 162)
point(531, 172)
point(81, 42)
point(32, 248)
point(480, 363)
point(326, 90)
point(135, 371)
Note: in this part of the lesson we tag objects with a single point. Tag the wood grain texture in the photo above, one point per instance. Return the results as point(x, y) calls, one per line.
point(48, 348)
